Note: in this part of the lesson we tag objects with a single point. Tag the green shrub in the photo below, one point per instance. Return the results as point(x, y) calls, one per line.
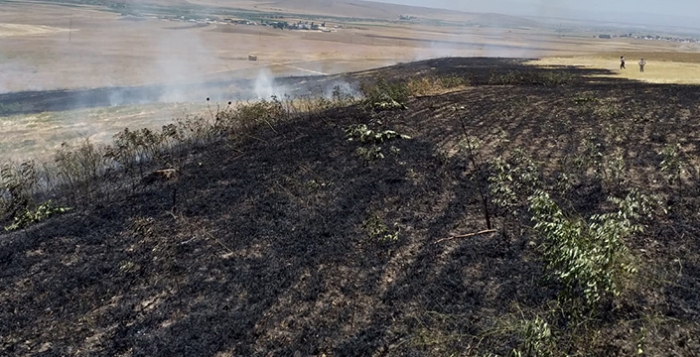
point(28, 217)
point(513, 180)
point(384, 95)
point(589, 261)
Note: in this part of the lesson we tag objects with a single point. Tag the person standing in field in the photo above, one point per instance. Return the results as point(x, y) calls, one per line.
point(642, 63)
point(622, 62)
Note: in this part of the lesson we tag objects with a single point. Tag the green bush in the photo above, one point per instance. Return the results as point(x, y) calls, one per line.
point(28, 217)
point(384, 95)
point(589, 261)
point(513, 180)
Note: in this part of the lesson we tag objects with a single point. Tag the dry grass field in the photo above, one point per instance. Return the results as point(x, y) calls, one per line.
point(67, 45)
point(38, 135)
point(661, 67)
point(51, 46)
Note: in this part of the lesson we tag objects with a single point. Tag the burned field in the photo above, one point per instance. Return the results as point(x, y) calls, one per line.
point(288, 238)
point(30, 102)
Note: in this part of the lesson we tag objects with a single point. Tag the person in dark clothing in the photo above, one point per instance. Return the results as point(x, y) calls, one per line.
point(642, 63)
point(622, 62)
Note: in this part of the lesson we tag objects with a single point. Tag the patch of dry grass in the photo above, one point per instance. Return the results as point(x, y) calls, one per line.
point(37, 136)
point(671, 68)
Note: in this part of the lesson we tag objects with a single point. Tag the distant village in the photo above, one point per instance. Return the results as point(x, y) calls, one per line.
point(282, 25)
point(651, 38)
point(278, 23)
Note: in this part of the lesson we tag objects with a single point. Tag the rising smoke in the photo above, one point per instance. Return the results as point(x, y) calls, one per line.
point(265, 86)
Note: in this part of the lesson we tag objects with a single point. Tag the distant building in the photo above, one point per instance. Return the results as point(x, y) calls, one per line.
point(603, 36)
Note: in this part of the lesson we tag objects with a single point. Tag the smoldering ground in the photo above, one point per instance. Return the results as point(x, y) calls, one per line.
point(262, 87)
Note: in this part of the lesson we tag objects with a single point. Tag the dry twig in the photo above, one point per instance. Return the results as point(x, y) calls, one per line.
point(466, 235)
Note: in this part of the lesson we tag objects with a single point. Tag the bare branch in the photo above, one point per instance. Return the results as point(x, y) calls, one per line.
point(466, 235)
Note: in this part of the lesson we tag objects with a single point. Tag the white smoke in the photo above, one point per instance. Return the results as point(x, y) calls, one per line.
point(182, 61)
point(341, 88)
point(265, 86)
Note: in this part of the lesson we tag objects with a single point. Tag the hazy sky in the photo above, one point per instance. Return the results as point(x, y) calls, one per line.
point(651, 12)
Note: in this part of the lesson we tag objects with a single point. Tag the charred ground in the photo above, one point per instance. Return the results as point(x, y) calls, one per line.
point(290, 241)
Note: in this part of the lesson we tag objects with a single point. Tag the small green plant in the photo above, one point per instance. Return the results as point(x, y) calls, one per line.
point(28, 217)
point(615, 172)
point(376, 229)
point(590, 157)
point(368, 136)
point(672, 165)
point(365, 135)
point(501, 185)
point(556, 78)
point(536, 339)
point(370, 153)
point(513, 180)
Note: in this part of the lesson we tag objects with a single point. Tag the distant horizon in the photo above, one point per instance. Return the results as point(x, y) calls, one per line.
point(678, 13)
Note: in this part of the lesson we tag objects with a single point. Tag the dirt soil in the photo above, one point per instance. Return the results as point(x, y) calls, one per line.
point(261, 249)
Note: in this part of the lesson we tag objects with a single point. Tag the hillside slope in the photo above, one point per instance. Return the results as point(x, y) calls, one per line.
point(294, 243)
